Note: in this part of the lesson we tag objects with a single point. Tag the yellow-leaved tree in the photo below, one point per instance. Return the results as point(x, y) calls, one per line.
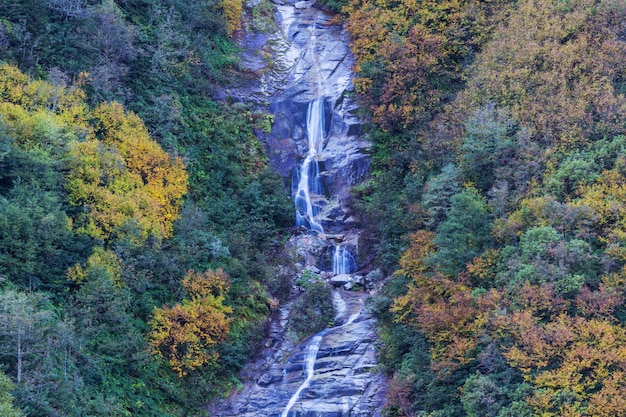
point(186, 334)
point(232, 10)
point(126, 182)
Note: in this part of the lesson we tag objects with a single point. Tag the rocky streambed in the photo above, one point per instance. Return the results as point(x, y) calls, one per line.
point(315, 143)
point(345, 381)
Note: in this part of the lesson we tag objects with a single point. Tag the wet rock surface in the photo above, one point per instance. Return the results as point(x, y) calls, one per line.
point(345, 382)
point(333, 373)
point(310, 58)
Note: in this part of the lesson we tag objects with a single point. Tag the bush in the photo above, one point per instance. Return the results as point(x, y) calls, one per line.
point(313, 311)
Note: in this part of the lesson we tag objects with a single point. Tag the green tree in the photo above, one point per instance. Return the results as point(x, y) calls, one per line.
point(102, 309)
point(488, 137)
point(481, 396)
point(464, 234)
point(35, 239)
point(313, 310)
point(437, 198)
point(7, 408)
point(23, 324)
point(42, 351)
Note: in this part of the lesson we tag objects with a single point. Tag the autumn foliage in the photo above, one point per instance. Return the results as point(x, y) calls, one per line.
point(526, 292)
point(121, 175)
point(562, 347)
point(233, 10)
point(409, 53)
point(186, 334)
point(100, 218)
point(502, 126)
point(557, 67)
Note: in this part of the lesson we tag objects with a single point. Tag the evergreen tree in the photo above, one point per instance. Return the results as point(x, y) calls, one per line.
point(464, 234)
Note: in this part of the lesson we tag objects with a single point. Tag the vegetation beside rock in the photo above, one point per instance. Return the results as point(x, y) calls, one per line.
point(499, 126)
point(119, 177)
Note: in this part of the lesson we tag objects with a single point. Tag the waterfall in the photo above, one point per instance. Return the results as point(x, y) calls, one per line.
point(309, 184)
point(351, 319)
point(316, 136)
point(313, 348)
point(343, 261)
point(309, 188)
point(311, 355)
point(339, 304)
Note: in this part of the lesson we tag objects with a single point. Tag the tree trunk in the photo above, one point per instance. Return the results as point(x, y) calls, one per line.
point(19, 357)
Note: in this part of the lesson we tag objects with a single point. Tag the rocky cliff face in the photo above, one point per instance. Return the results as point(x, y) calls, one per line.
point(310, 59)
point(345, 380)
point(334, 372)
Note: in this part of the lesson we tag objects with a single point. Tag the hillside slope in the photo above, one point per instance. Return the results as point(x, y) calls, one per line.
point(502, 126)
point(139, 219)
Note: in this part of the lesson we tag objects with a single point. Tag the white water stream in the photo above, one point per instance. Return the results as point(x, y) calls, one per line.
point(309, 184)
point(309, 201)
point(343, 261)
point(313, 348)
point(311, 355)
point(308, 88)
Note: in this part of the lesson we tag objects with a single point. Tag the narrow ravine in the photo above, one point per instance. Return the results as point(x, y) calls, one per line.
point(312, 350)
point(330, 374)
point(316, 143)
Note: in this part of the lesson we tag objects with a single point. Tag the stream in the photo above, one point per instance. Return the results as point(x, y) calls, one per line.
point(315, 141)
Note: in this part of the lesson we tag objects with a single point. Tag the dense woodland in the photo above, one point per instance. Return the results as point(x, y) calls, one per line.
point(138, 216)
point(139, 220)
point(502, 125)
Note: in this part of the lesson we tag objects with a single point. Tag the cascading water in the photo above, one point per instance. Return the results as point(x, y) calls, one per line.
point(309, 184)
point(343, 260)
point(312, 350)
point(339, 304)
point(333, 372)
point(311, 355)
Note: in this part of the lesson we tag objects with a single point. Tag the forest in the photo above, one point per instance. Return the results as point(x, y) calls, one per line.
point(501, 124)
point(139, 219)
point(141, 225)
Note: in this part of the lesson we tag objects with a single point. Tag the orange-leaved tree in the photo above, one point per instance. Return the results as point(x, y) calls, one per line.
point(452, 317)
point(576, 365)
point(558, 69)
point(186, 334)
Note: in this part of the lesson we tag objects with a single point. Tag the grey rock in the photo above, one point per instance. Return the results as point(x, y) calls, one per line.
point(340, 280)
point(345, 383)
point(267, 379)
point(314, 269)
point(359, 279)
point(311, 58)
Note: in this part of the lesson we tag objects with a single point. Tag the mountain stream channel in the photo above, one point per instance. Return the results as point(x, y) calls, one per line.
point(315, 142)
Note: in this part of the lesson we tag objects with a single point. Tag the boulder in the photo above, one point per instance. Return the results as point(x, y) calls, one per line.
point(359, 279)
point(340, 280)
point(268, 379)
point(314, 269)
